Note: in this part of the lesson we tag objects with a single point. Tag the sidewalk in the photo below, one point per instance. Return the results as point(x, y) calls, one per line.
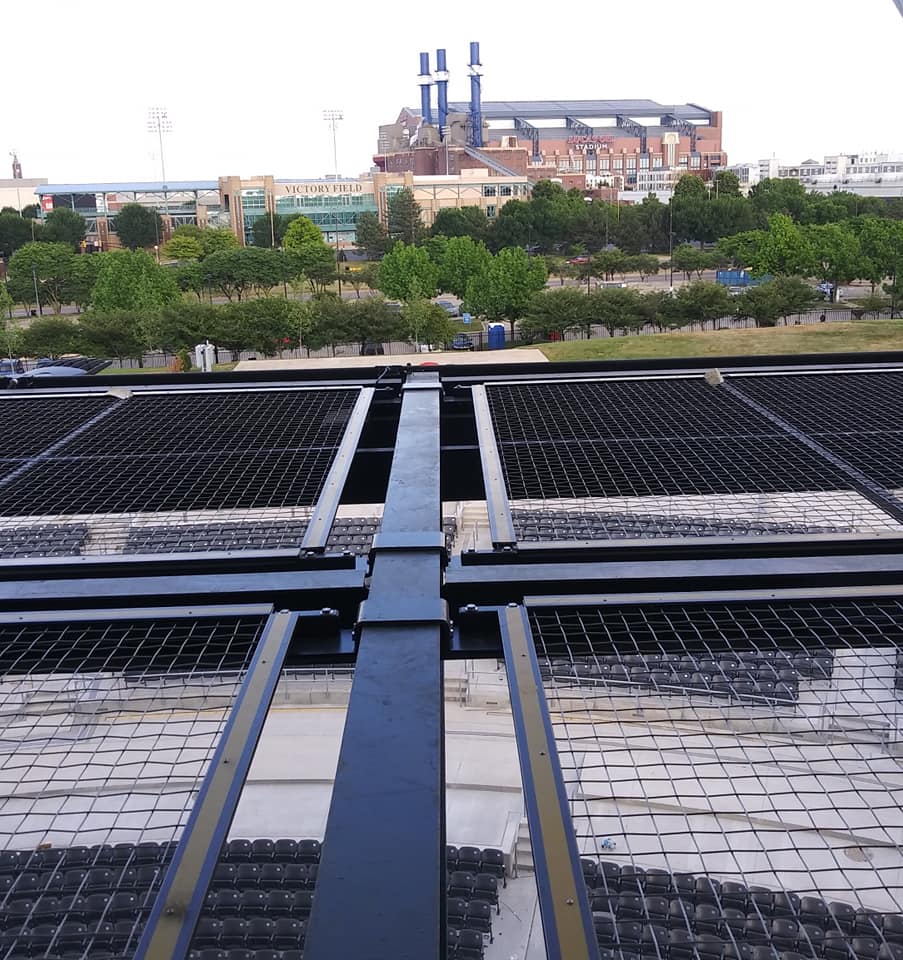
point(518, 355)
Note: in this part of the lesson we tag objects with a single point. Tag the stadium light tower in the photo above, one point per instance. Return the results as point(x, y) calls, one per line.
point(332, 117)
point(158, 122)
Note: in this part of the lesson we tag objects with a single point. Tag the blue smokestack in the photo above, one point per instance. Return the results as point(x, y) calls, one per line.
point(476, 106)
point(442, 91)
point(426, 110)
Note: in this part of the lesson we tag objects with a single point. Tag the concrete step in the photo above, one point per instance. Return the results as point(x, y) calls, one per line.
point(523, 852)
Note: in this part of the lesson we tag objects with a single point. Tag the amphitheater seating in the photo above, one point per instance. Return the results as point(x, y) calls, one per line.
point(763, 676)
point(93, 902)
point(656, 914)
point(43, 540)
point(542, 525)
point(347, 535)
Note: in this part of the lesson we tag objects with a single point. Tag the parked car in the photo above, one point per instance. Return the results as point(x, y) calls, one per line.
point(450, 307)
point(9, 367)
point(462, 341)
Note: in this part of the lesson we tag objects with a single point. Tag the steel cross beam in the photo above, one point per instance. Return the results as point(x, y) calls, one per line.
point(526, 128)
point(388, 801)
point(684, 127)
point(634, 129)
point(578, 126)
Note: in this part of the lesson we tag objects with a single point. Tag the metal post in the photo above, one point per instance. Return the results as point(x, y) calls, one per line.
point(388, 801)
point(181, 900)
point(567, 925)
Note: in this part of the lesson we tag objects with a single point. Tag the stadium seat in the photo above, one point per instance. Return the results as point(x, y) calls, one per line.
point(604, 925)
point(96, 905)
point(208, 932)
point(655, 908)
point(285, 851)
point(681, 914)
point(252, 903)
point(492, 861)
point(843, 916)
point(731, 922)
point(867, 923)
point(224, 902)
point(122, 853)
point(757, 929)
point(461, 884)
point(632, 879)
point(707, 890)
point(629, 933)
point(487, 888)
point(247, 875)
point(785, 934)
point(814, 910)
point(309, 851)
point(706, 918)
point(238, 851)
point(629, 906)
point(654, 941)
point(287, 933)
point(451, 858)
point(865, 948)
point(469, 859)
point(456, 910)
point(892, 928)
point(304, 900)
point(233, 932)
point(478, 916)
point(609, 876)
point(452, 938)
point(279, 903)
point(262, 850)
point(271, 875)
point(680, 945)
point(470, 945)
point(148, 851)
point(295, 876)
point(890, 951)
point(835, 946)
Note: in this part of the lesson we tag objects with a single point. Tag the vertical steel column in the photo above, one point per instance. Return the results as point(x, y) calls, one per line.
point(567, 923)
point(178, 906)
point(385, 836)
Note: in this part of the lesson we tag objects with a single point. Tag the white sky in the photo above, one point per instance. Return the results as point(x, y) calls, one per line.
point(245, 84)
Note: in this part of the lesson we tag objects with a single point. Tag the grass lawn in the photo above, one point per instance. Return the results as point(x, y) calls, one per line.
point(861, 335)
point(217, 368)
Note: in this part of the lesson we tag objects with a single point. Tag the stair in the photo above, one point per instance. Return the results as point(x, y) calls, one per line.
point(473, 527)
point(523, 851)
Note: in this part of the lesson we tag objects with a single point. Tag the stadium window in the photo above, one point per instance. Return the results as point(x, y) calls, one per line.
point(488, 191)
point(490, 211)
point(505, 191)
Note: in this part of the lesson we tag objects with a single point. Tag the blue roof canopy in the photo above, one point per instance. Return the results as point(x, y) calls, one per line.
point(171, 186)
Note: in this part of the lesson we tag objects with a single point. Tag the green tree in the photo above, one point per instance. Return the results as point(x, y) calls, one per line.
point(271, 226)
point(246, 269)
point(615, 308)
point(645, 264)
point(555, 311)
point(83, 273)
point(505, 288)
point(329, 323)
point(461, 259)
point(138, 226)
point(50, 337)
point(460, 222)
point(216, 239)
point(132, 280)
point(606, 263)
point(725, 183)
point(405, 223)
point(771, 196)
point(6, 302)
point(559, 267)
point(783, 250)
point(190, 277)
point(309, 253)
point(371, 321)
point(47, 265)
point(407, 273)
point(661, 309)
point(15, 232)
point(513, 227)
point(836, 254)
point(702, 302)
point(183, 325)
point(689, 186)
point(182, 247)
point(881, 247)
point(369, 274)
point(425, 323)
point(31, 211)
point(64, 226)
point(267, 324)
point(120, 333)
point(769, 302)
point(689, 260)
point(873, 303)
point(370, 236)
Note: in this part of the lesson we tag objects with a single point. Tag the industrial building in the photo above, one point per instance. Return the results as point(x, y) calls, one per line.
point(591, 661)
point(584, 143)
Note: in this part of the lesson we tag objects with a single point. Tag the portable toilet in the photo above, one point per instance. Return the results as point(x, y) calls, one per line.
point(496, 336)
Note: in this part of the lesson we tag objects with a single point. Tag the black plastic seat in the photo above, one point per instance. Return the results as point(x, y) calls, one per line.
point(709, 946)
point(451, 857)
point(761, 902)
point(455, 910)
point(867, 923)
point(487, 888)
point(101, 854)
point(655, 908)
point(287, 933)
point(49, 907)
point(785, 934)
point(247, 875)
point(731, 923)
point(309, 851)
point(280, 903)
point(756, 929)
point(609, 876)
point(271, 875)
point(707, 890)
point(812, 939)
point(813, 910)
point(225, 902)
point(842, 916)
point(304, 901)
point(865, 948)
point(260, 932)
point(632, 879)
point(252, 903)
point(706, 918)
point(461, 884)
point(680, 945)
point(469, 859)
point(684, 885)
point(10, 861)
point(629, 906)
point(893, 928)
point(658, 883)
point(99, 880)
point(210, 953)
point(890, 951)
point(681, 914)
point(125, 934)
point(492, 861)
point(238, 851)
point(295, 876)
point(452, 936)
point(148, 851)
point(629, 933)
point(123, 853)
point(285, 851)
point(835, 946)
point(96, 905)
point(654, 941)
point(478, 916)
point(470, 945)
point(262, 850)
point(208, 932)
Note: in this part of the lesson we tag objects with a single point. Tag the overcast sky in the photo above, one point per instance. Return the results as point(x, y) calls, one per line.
point(246, 84)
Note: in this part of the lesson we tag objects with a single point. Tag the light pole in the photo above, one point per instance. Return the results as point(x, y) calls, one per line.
point(158, 122)
point(332, 117)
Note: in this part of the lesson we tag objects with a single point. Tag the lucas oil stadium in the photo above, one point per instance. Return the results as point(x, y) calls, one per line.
point(579, 662)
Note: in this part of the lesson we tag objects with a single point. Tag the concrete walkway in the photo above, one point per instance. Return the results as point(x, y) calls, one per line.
point(519, 355)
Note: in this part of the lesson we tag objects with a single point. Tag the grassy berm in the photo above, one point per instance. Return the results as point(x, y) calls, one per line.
point(859, 336)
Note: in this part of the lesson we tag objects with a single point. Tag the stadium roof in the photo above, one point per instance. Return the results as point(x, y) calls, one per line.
point(153, 186)
point(676, 587)
point(548, 109)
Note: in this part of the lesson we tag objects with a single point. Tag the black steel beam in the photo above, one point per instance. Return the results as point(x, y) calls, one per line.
point(567, 922)
point(317, 532)
point(501, 527)
point(388, 802)
point(178, 906)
